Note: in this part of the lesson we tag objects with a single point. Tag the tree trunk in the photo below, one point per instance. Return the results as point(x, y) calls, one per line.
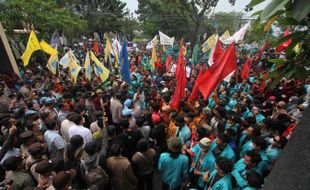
point(193, 37)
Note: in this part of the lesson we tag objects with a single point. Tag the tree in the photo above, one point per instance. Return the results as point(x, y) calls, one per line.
point(104, 15)
point(183, 18)
point(44, 16)
point(293, 15)
point(163, 15)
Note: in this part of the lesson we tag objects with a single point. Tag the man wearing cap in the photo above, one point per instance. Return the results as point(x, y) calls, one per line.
point(62, 180)
point(14, 167)
point(173, 165)
point(201, 163)
point(37, 151)
point(45, 172)
point(28, 139)
point(50, 108)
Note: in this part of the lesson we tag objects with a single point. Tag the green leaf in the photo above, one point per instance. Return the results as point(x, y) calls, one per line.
point(254, 3)
point(287, 21)
point(277, 61)
point(289, 73)
point(272, 8)
point(301, 73)
point(257, 13)
point(300, 9)
point(285, 38)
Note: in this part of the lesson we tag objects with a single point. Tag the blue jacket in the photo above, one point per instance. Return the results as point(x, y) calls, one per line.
point(206, 165)
point(246, 147)
point(272, 153)
point(173, 170)
point(223, 184)
point(259, 118)
point(184, 134)
point(231, 105)
point(239, 173)
point(227, 152)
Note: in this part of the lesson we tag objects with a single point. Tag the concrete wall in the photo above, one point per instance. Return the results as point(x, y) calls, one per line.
point(292, 170)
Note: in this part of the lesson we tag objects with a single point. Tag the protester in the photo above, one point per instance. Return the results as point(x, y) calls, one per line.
point(173, 165)
point(110, 132)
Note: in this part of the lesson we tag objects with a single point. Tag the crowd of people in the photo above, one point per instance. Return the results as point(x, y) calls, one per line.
point(115, 135)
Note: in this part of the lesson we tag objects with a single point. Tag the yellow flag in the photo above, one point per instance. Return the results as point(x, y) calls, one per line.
point(184, 50)
point(74, 69)
point(101, 70)
point(47, 48)
point(32, 46)
point(297, 48)
point(52, 63)
point(107, 50)
point(154, 56)
point(210, 43)
point(88, 67)
point(270, 22)
point(225, 35)
point(116, 59)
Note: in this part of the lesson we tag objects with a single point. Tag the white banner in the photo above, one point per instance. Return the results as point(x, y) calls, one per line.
point(151, 43)
point(165, 40)
point(238, 36)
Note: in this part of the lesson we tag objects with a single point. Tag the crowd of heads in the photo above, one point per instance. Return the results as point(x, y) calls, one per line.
point(56, 134)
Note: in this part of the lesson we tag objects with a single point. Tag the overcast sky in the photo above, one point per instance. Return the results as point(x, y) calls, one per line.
point(222, 6)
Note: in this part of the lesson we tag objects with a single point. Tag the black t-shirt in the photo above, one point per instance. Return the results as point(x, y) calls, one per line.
point(130, 140)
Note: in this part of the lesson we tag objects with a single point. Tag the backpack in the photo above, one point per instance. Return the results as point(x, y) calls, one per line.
point(95, 176)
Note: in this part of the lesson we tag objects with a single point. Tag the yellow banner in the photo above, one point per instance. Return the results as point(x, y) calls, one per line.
point(32, 46)
point(154, 57)
point(102, 71)
point(210, 43)
point(74, 69)
point(52, 63)
point(88, 67)
point(225, 35)
point(47, 48)
point(107, 50)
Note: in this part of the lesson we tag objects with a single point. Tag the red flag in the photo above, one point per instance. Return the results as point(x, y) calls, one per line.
point(285, 44)
point(96, 48)
point(259, 55)
point(216, 53)
point(195, 92)
point(246, 70)
point(168, 63)
point(180, 74)
point(217, 72)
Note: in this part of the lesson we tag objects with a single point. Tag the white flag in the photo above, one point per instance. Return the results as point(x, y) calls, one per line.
point(227, 79)
point(152, 43)
point(238, 36)
point(165, 40)
point(65, 60)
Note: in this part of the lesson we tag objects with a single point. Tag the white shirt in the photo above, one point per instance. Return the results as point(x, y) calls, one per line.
point(82, 131)
point(188, 71)
point(64, 129)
